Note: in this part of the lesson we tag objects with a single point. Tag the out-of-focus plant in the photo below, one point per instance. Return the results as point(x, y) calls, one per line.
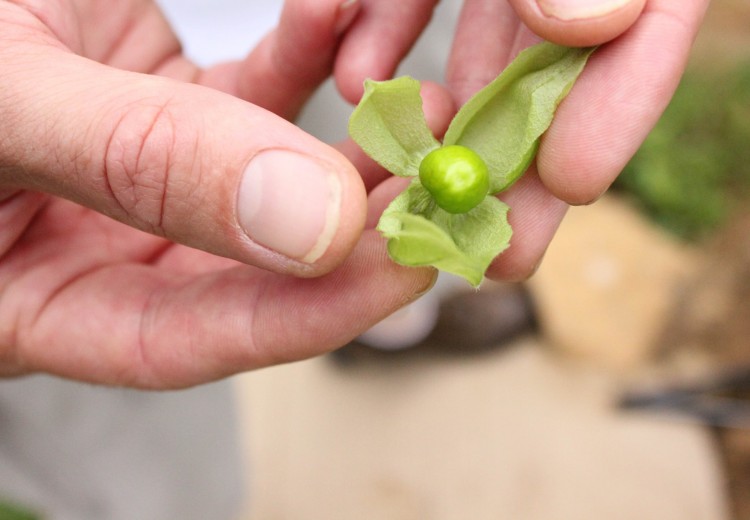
point(13, 511)
point(695, 166)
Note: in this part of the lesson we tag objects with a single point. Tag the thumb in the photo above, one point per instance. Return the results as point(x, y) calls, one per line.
point(178, 160)
point(578, 22)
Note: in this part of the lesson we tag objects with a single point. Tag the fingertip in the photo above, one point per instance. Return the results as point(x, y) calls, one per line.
point(438, 106)
point(578, 192)
point(382, 196)
point(288, 65)
point(535, 214)
point(356, 63)
point(579, 23)
point(378, 39)
point(573, 181)
point(357, 60)
point(581, 153)
point(351, 83)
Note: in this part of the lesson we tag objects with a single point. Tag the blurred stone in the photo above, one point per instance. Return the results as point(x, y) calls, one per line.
point(607, 284)
point(467, 322)
point(481, 320)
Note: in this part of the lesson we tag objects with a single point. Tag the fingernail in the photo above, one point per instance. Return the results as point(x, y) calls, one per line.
point(568, 10)
point(347, 12)
point(289, 203)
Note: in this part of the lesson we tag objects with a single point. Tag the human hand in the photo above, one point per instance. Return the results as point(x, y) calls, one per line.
point(235, 240)
point(614, 104)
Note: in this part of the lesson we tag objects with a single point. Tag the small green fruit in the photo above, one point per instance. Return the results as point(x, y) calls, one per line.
point(456, 177)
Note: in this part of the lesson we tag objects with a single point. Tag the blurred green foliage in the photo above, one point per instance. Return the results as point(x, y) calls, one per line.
point(694, 168)
point(12, 511)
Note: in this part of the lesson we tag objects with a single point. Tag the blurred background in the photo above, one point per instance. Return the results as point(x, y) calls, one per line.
point(620, 391)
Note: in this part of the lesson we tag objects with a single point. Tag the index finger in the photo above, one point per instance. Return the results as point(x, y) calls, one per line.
point(380, 37)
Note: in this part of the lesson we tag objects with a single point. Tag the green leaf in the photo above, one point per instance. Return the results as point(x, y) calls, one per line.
point(389, 125)
point(504, 121)
point(420, 233)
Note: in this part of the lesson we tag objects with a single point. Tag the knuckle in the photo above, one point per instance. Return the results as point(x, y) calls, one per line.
point(138, 160)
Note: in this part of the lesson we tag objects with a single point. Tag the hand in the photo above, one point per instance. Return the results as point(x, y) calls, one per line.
point(610, 111)
point(600, 125)
point(214, 201)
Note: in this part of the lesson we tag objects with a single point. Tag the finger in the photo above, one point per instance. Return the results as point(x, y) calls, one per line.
point(131, 36)
point(169, 331)
point(490, 33)
point(578, 23)
point(181, 161)
point(438, 107)
point(482, 45)
point(291, 61)
point(379, 38)
point(17, 210)
point(381, 196)
point(535, 214)
point(617, 101)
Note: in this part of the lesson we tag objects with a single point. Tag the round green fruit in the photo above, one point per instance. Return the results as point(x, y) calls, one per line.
point(456, 177)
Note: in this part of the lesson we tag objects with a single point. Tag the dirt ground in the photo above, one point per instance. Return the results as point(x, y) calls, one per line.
point(710, 326)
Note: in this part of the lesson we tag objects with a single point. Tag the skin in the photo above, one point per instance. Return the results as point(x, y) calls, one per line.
point(163, 291)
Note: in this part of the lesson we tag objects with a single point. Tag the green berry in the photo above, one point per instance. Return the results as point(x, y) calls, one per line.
point(456, 177)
